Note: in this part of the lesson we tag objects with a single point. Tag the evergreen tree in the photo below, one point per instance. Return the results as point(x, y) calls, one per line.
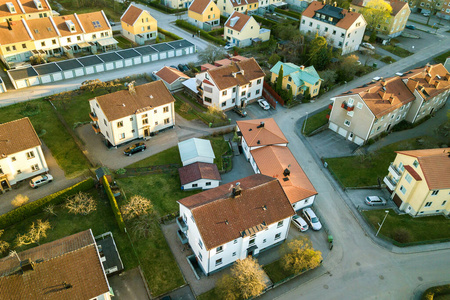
point(279, 85)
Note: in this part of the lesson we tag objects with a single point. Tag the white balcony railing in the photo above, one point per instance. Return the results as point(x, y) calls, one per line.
point(391, 184)
point(395, 172)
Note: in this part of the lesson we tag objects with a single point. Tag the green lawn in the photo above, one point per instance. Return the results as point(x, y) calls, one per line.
point(315, 122)
point(50, 129)
point(184, 109)
point(387, 59)
point(113, 13)
point(123, 42)
point(406, 229)
point(209, 295)
point(396, 50)
point(276, 272)
point(363, 170)
point(441, 58)
point(169, 156)
point(220, 147)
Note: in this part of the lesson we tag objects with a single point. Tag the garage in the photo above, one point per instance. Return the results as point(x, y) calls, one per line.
point(99, 68)
point(119, 64)
point(68, 74)
point(358, 140)
point(21, 84)
point(57, 76)
point(109, 59)
point(90, 63)
point(45, 72)
point(154, 57)
point(147, 53)
point(130, 56)
point(163, 50)
point(342, 132)
point(89, 70)
point(71, 68)
point(46, 79)
point(79, 72)
point(333, 127)
point(19, 77)
point(181, 47)
point(33, 81)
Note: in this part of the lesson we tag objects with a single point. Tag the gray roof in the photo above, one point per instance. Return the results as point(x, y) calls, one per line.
point(145, 50)
point(90, 60)
point(47, 69)
point(23, 73)
point(180, 44)
point(130, 53)
point(332, 11)
point(194, 148)
point(70, 64)
point(109, 250)
point(109, 57)
point(162, 47)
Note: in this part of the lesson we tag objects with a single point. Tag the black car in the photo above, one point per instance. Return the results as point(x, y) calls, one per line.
point(183, 68)
point(240, 111)
point(138, 147)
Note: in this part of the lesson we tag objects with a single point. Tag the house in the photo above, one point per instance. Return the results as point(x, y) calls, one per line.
point(397, 21)
point(237, 84)
point(371, 109)
point(259, 133)
point(343, 29)
point(444, 12)
point(71, 34)
point(242, 30)
point(298, 79)
point(177, 4)
point(138, 25)
point(45, 36)
point(16, 41)
point(419, 181)
point(227, 7)
point(196, 150)
point(16, 10)
point(235, 220)
point(172, 78)
point(97, 30)
point(135, 113)
point(21, 155)
point(280, 163)
point(199, 175)
point(204, 14)
point(68, 268)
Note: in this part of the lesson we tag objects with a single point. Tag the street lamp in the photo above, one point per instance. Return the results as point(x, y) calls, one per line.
point(387, 212)
point(304, 124)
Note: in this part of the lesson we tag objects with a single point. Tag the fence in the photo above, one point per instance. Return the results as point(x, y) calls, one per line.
point(271, 95)
point(129, 172)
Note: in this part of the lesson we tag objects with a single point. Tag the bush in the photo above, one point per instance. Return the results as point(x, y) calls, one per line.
point(403, 125)
point(114, 206)
point(401, 235)
point(292, 14)
point(35, 207)
point(168, 33)
point(264, 21)
point(387, 59)
point(20, 200)
point(193, 29)
point(442, 290)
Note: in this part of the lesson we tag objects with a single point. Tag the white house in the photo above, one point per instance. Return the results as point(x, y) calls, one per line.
point(242, 30)
point(199, 175)
point(135, 113)
point(232, 85)
point(342, 28)
point(235, 220)
point(171, 77)
point(21, 155)
point(196, 150)
point(259, 133)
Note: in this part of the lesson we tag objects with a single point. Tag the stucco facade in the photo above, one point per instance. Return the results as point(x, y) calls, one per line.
point(138, 25)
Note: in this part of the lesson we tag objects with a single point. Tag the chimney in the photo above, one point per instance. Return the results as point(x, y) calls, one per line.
point(237, 190)
point(302, 67)
point(261, 125)
point(412, 84)
point(9, 25)
point(26, 265)
point(286, 172)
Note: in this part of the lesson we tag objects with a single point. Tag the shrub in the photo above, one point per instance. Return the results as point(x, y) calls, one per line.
point(114, 206)
point(264, 21)
point(168, 33)
point(292, 14)
point(403, 125)
point(81, 203)
point(387, 59)
point(164, 8)
point(193, 29)
point(401, 235)
point(33, 208)
point(20, 200)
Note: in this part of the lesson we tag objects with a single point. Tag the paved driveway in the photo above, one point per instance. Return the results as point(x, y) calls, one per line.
point(128, 286)
point(357, 198)
point(330, 144)
point(241, 169)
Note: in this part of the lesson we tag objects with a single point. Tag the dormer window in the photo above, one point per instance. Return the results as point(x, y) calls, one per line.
point(96, 24)
point(11, 7)
point(38, 4)
point(71, 26)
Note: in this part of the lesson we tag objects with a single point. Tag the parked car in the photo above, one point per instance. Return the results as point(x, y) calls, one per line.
point(263, 103)
point(175, 67)
point(312, 219)
point(412, 27)
point(426, 14)
point(375, 200)
point(299, 223)
point(240, 111)
point(183, 68)
point(367, 45)
point(138, 147)
point(40, 180)
point(399, 74)
point(229, 46)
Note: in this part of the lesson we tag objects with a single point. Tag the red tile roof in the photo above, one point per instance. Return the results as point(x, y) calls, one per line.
point(169, 74)
point(428, 81)
point(16, 136)
point(242, 19)
point(198, 170)
point(60, 22)
point(199, 6)
point(17, 34)
point(345, 23)
point(221, 218)
point(42, 29)
point(237, 3)
point(131, 14)
point(30, 7)
point(87, 20)
point(257, 135)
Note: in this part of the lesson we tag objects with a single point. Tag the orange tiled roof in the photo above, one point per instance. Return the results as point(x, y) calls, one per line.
point(345, 23)
point(199, 6)
point(269, 134)
point(60, 22)
point(16, 136)
point(237, 3)
point(4, 11)
point(169, 74)
point(17, 34)
point(429, 81)
point(88, 19)
point(42, 28)
point(30, 7)
point(243, 19)
point(131, 14)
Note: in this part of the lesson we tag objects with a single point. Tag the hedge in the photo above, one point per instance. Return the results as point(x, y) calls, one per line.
point(168, 33)
point(35, 207)
point(443, 290)
point(164, 8)
point(204, 34)
point(114, 206)
point(264, 21)
point(292, 14)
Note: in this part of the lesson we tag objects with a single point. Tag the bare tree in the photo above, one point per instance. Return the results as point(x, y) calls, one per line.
point(20, 200)
point(37, 231)
point(299, 255)
point(136, 207)
point(50, 209)
point(81, 203)
point(4, 246)
point(210, 54)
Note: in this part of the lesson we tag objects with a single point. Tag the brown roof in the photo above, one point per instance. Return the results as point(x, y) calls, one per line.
point(169, 74)
point(273, 161)
point(435, 165)
point(198, 170)
point(429, 81)
point(413, 173)
point(383, 96)
point(16, 136)
point(42, 28)
point(397, 6)
point(18, 33)
point(87, 19)
point(30, 7)
point(60, 22)
point(68, 268)
point(241, 21)
point(224, 79)
point(121, 104)
point(220, 218)
point(237, 3)
point(222, 62)
point(131, 14)
point(345, 23)
point(269, 134)
point(199, 6)
point(4, 11)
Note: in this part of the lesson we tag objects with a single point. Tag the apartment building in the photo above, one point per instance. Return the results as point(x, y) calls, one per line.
point(16, 10)
point(204, 14)
point(242, 30)
point(138, 25)
point(227, 7)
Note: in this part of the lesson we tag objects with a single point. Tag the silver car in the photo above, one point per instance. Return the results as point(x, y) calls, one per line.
point(312, 219)
point(375, 200)
point(40, 180)
point(299, 223)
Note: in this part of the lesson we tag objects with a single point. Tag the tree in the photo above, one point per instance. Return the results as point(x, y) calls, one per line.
point(246, 280)
point(348, 68)
point(210, 54)
point(81, 203)
point(319, 55)
point(37, 231)
point(329, 78)
point(38, 59)
point(4, 246)
point(376, 13)
point(20, 200)
point(299, 255)
point(273, 59)
point(136, 207)
point(279, 85)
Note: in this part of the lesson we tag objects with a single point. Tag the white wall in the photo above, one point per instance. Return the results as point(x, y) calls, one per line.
point(201, 184)
point(304, 203)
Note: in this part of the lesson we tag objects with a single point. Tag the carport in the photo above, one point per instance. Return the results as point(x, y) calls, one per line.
point(112, 60)
point(164, 50)
point(148, 53)
point(108, 44)
point(71, 68)
point(130, 57)
point(182, 47)
point(49, 72)
point(92, 64)
point(24, 77)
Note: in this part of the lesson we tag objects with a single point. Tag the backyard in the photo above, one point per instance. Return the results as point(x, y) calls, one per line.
point(315, 121)
point(396, 50)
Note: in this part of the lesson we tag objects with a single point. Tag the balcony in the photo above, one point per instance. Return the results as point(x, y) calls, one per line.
point(96, 128)
point(93, 117)
point(391, 184)
point(183, 238)
point(396, 173)
point(330, 106)
point(347, 107)
point(181, 224)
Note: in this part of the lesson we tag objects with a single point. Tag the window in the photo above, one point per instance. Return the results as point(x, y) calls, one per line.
point(219, 249)
point(234, 253)
point(194, 185)
point(54, 42)
point(104, 121)
point(69, 40)
point(224, 104)
point(340, 44)
point(350, 113)
point(1, 172)
point(258, 81)
point(94, 36)
point(199, 241)
point(233, 100)
point(310, 24)
point(408, 178)
point(235, 242)
point(43, 44)
point(166, 121)
point(318, 26)
point(434, 193)
point(24, 46)
point(166, 109)
point(243, 93)
point(443, 202)
point(347, 123)
point(119, 124)
point(35, 168)
point(148, 27)
point(280, 224)
point(303, 21)
point(415, 164)
point(8, 49)
point(277, 236)
point(234, 89)
point(326, 29)
point(249, 95)
point(218, 262)
point(257, 92)
point(403, 190)
point(13, 158)
point(252, 240)
point(224, 93)
point(200, 256)
point(208, 100)
point(334, 32)
point(19, 172)
point(30, 155)
point(144, 121)
point(122, 136)
point(428, 204)
point(401, 167)
point(359, 105)
point(264, 240)
point(342, 35)
point(156, 123)
point(208, 183)
point(78, 38)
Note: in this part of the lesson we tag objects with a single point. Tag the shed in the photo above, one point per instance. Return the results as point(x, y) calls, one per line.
point(196, 150)
point(71, 68)
point(199, 175)
point(92, 64)
point(49, 72)
point(165, 50)
point(112, 60)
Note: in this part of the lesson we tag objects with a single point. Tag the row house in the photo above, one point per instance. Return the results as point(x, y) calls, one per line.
point(242, 30)
point(54, 35)
point(177, 4)
point(16, 10)
point(234, 221)
point(235, 84)
point(138, 25)
point(343, 29)
point(227, 7)
point(419, 181)
point(204, 14)
point(131, 114)
point(21, 155)
point(276, 3)
point(444, 9)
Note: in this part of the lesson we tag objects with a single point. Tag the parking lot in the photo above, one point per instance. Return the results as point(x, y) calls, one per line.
point(330, 144)
point(357, 198)
point(254, 111)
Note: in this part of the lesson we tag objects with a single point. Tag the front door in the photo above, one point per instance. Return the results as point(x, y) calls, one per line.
point(250, 253)
point(146, 132)
point(5, 184)
point(350, 136)
point(389, 127)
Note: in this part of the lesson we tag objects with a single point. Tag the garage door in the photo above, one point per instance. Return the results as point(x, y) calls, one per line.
point(154, 57)
point(57, 76)
point(33, 81)
point(89, 70)
point(79, 72)
point(333, 127)
point(171, 53)
point(179, 52)
point(68, 74)
point(109, 66)
point(342, 132)
point(99, 68)
point(162, 55)
point(119, 64)
point(128, 62)
point(146, 59)
point(397, 200)
point(46, 79)
point(137, 60)
point(358, 140)
point(21, 83)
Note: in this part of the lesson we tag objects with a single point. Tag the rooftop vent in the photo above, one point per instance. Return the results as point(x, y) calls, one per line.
point(11, 7)
point(237, 190)
point(258, 142)
point(233, 21)
point(264, 207)
point(286, 172)
point(26, 265)
point(261, 125)
point(38, 4)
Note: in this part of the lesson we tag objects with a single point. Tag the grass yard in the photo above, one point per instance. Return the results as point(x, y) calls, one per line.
point(123, 42)
point(388, 60)
point(184, 109)
point(406, 229)
point(51, 131)
point(169, 156)
point(220, 147)
point(81, 7)
point(396, 50)
point(315, 122)
point(276, 272)
point(363, 170)
point(441, 58)
point(209, 295)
